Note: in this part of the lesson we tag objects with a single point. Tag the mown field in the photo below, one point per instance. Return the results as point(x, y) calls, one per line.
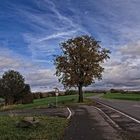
point(45, 102)
point(120, 96)
point(50, 128)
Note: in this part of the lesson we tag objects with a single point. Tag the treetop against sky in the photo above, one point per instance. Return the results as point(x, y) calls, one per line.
point(30, 33)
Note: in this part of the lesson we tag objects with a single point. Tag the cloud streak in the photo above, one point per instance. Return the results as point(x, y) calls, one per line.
point(30, 33)
point(123, 71)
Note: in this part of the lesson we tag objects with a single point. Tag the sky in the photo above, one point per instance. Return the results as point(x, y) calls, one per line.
point(31, 31)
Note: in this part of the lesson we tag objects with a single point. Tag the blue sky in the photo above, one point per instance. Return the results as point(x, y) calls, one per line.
point(31, 30)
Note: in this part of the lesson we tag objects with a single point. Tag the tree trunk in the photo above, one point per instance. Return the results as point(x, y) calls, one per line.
point(80, 94)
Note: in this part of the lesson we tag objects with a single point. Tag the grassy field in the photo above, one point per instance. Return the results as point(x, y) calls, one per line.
point(50, 128)
point(44, 102)
point(134, 97)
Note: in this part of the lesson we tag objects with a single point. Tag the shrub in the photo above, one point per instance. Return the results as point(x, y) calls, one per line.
point(71, 92)
point(36, 95)
point(28, 98)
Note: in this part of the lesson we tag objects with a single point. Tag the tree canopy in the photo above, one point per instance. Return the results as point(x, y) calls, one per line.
point(12, 87)
point(81, 62)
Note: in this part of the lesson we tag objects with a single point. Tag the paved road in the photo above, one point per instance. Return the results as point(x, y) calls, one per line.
point(88, 124)
point(129, 107)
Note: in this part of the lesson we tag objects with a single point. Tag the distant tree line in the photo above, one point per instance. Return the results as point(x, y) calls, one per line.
point(123, 91)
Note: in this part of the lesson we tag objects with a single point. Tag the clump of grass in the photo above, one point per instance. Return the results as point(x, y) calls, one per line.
point(7, 107)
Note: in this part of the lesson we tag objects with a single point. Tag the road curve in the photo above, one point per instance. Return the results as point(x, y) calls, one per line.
point(131, 108)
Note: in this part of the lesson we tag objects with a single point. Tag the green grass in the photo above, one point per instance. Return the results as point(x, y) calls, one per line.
point(130, 96)
point(40, 103)
point(50, 128)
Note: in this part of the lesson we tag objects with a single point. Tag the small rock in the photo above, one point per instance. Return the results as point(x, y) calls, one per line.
point(29, 119)
point(27, 122)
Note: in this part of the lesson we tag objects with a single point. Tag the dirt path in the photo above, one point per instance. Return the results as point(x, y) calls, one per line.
point(88, 124)
point(60, 112)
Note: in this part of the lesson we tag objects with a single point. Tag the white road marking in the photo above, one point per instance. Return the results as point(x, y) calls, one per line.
point(136, 105)
point(116, 125)
point(121, 113)
point(70, 113)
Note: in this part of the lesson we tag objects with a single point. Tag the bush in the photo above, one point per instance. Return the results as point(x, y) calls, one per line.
point(51, 93)
point(36, 95)
point(95, 91)
point(28, 98)
point(117, 91)
point(71, 92)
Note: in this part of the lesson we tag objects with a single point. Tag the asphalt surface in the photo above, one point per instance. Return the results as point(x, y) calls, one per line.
point(131, 108)
point(88, 124)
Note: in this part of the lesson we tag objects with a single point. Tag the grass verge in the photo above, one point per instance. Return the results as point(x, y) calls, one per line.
point(120, 96)
point(50, 128)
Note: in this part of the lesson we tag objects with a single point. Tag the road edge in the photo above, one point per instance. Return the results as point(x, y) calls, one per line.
point(70, 113)
point(108, 118)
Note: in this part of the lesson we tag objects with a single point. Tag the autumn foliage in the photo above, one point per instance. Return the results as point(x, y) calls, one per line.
point(80, 62)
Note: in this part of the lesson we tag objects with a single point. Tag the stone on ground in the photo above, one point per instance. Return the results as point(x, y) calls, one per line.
point(28, 122)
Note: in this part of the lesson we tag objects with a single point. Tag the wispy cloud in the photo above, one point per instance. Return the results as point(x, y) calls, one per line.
point(43, 79)
point(39, 26)
point(62, 35)
point(122, 71)
point(39, 78)
point(49, 26)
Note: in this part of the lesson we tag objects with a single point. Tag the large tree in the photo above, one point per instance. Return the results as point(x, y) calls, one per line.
point(80, 63)
point(12, 86)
